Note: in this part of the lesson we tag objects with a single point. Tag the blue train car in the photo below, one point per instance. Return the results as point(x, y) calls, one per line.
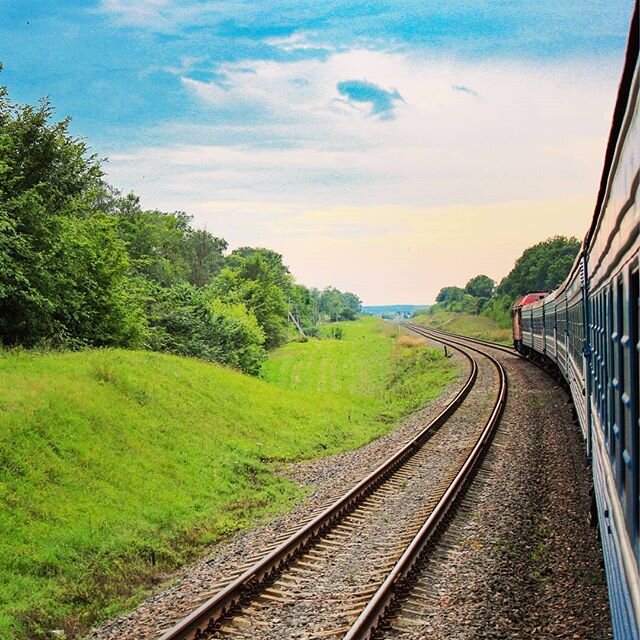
point(589, 329)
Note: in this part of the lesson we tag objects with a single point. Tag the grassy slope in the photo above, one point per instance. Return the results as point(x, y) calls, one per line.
point(367, 369)
point(116, 465)
point(474, 326)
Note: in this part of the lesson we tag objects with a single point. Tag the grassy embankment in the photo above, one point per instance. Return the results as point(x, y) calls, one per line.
point(117, 466)
point(466, 324)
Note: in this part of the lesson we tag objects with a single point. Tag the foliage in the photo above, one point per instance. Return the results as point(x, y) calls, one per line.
point(457, 300)
point(63, 273)
point(450, 294)
point(336, 305)
point(109, 482)
point(163, 247)
point(480, 287)
point(82, 264)
point(259, 280)
point(192, 322)
point(498, 309)
point(541, 267)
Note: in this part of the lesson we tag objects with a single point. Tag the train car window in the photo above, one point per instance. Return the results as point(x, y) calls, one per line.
point(619, 387)
point(611, 365)
point(635, 303)
point(631, 406)
point(602, 387)
point(597, 355)
point(593, 341)
point(605, 359)
point(615, 379)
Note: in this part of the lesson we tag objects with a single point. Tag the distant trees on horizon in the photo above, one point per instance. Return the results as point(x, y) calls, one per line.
point(541, 267)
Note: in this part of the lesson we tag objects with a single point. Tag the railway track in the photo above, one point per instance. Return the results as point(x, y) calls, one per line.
point(339, 573)
point(455, 336)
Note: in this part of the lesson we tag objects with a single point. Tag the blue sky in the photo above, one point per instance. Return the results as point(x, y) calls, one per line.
point(315, 127)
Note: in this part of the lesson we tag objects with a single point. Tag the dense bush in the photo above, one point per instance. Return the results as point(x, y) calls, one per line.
point(189, 321)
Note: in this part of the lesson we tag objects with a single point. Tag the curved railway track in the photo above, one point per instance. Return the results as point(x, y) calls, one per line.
point(455, 336)
point(341, 570)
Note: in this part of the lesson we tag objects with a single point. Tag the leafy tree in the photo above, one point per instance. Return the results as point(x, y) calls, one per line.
point(304, 306)
point(541, 267)
point(94, 300)
point(155, 241)
point(450, 294)
point(352, 306)
point(480, 287)
point(205, 255)
point(63, 272)
point(272, 260)
point(257, 280)
point(498, 309)
point(336, 305)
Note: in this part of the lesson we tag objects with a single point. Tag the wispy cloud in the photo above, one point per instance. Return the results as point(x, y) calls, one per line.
point(277, 130)
point(461, 88)
point(313, 92)
point(140, 13)
point(301, 41)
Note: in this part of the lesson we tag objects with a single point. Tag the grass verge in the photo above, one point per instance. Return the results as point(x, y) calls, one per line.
point(465, 324)
point(117, 466)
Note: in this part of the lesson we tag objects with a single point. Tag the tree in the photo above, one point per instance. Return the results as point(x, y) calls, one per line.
point(337, 305)
point(352, 306)
point(205, 255)
point(272, 260)
point(256, 279)
point(450, 294)
point(63, 272)
point(480, 287)
point(193, 322)
point(541, 267)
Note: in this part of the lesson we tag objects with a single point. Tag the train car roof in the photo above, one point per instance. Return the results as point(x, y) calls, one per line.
point(528, 298)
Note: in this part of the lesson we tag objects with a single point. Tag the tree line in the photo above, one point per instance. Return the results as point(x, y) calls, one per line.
point(542, 267)
point(82, 264)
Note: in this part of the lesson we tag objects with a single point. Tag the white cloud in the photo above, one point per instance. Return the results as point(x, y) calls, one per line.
point(300, 41)
point(138, 12)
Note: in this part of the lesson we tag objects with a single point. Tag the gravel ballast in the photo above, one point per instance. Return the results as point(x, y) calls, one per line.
point(521, 560)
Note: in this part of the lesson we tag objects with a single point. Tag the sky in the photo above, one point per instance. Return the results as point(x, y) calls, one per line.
point(389, 148)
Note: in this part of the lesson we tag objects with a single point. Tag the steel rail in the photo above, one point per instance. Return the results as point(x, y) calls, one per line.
point(205, 617)
point(493, 345)
point(488, 343)
point(373, 614)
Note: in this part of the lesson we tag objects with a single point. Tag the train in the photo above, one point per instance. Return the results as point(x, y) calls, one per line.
point(587, 330)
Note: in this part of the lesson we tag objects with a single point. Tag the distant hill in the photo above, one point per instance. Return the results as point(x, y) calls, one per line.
point(392, 309)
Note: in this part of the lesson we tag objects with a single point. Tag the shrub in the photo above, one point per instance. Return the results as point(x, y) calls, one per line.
point(193, 322)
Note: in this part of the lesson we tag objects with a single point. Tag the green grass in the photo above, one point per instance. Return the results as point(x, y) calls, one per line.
point(367, 370)
point(468, 325)
point(117, 466)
